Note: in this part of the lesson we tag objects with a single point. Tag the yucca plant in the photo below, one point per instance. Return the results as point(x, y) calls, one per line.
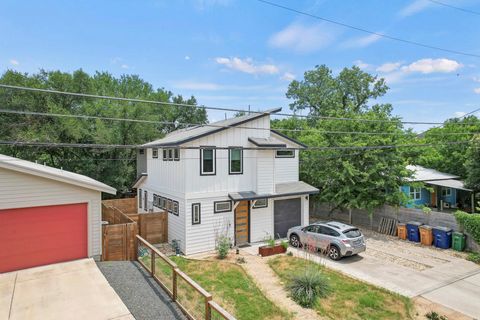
point(307, 286)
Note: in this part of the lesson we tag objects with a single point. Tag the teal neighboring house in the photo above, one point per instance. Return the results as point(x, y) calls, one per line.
point(442, 191)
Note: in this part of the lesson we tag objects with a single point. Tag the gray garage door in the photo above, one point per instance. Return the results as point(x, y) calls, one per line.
point(287, 214)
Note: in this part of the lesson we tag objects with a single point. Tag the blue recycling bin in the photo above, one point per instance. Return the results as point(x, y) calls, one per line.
point(442, 237)
point(413, 234)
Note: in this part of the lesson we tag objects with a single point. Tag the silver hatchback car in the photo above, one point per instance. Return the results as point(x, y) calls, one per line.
point(335, 238)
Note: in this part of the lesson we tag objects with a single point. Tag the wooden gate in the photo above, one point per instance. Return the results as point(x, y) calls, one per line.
point(119, 241)
point(153, 227)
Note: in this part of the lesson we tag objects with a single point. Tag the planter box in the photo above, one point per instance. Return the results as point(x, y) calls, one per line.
point(265, 251)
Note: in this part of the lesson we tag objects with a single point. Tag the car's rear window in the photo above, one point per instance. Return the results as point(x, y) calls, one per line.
point(352, 233)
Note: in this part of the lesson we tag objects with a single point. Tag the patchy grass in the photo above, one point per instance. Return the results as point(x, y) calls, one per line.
point(348, 298)
point(474, 257)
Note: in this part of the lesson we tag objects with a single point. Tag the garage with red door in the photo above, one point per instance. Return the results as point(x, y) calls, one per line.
point(47, 215)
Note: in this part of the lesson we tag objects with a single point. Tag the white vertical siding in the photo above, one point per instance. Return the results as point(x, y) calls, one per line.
point(20, 190)
point(265, 172)
point(261, 222)
point(166, 176)
point(202, 237)
point(286, 169)
point(305, 219)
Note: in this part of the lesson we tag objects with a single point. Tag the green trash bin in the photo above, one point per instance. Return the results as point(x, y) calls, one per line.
point(458, 241)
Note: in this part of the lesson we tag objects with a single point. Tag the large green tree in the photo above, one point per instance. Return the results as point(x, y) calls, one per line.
point(115, 167)
point(348, 179)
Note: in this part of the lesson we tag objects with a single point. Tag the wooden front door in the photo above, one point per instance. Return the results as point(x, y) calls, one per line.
point(241, 223)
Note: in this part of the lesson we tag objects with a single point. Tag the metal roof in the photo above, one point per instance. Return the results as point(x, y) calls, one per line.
point(40, 170)
point(281, 190)
point(192, 133)
point(425, 174)
point(455, 184)
point(267, 142)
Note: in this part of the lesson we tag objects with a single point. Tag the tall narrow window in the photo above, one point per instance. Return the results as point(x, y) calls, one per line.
point(207, 161)
point(235, 157)
point(154, 153)
point(170, 154)
point(176, 154)
point(165, 154)
point(196, 214)
point(140, 198)
point(145, 200)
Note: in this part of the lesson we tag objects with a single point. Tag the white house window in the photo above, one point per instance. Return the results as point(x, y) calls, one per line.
point(285, 154)
point(155, 199)
point(154, 153)
point(140, 198)
point(196, 213)
point(446, 192)
point(175, 208)
point(207, 161)
point(141, 151)
point(415, 193)
point(235, 157)
point(176, 154)
point(163, 203)
point(261, 203)
point(165, 154)
point(170, 154)
point(145, 200)
point(222, 206)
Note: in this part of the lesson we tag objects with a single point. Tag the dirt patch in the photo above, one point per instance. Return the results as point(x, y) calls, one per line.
point(424, 306)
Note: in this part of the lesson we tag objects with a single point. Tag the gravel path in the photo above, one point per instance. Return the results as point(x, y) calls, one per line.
point(138, 290)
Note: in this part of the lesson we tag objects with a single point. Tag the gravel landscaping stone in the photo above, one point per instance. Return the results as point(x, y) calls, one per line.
point(145, 299)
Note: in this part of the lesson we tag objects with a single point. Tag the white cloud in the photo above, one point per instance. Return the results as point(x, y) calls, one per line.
point(414, 8)
point(124, 66)
point(476, 90)
point(288, 76)
point(459, 114)
point(389, 67)
point(187, 57)
point(476, 79)
point(361, 64)
point(361, 42)
point(432, 65)
point(203, 4)
point(247, 65)
point(303, 39)
point(14, 62)
point(212, 86)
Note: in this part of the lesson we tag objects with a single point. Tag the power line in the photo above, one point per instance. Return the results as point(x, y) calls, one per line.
point(454, 7)
point(89, 117)
point(313, 148)
point(219, 108)
point(386, 36)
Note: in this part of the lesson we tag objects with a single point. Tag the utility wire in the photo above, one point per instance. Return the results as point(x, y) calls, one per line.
point(125, 146)
point(454, 7)
point(386, 36)
point(219, 108)
point(213, 125)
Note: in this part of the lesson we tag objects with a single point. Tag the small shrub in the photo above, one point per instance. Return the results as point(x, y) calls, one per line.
point(223, 245)
point(426, 210)
point(289, 253)
point(471, 224)
point(284, 244)
point(241, 260)
point(270, 241)
point(432, 315)
point(474, 257)
point(306, 287)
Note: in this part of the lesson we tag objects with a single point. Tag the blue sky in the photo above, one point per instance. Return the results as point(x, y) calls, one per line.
point(238, 53)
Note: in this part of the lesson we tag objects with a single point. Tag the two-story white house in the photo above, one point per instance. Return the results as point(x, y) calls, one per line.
point(235, 177)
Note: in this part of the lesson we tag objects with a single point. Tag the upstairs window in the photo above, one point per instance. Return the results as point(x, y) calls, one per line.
point(285, 154)
point(235, 156)
point(415, 193)
point(155, 153)
point(207, 161)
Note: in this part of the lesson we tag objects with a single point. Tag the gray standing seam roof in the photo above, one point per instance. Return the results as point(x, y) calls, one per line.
point(281, 190)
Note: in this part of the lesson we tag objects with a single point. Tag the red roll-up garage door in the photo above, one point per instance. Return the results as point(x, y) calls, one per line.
point(37, 236)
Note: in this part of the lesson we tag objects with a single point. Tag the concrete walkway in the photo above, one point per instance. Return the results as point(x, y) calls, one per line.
point(71, 290)
point(271, 286)
point(145, 299)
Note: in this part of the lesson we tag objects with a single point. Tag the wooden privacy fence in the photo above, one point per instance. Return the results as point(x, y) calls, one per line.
point(194, 301)
point(118, 236)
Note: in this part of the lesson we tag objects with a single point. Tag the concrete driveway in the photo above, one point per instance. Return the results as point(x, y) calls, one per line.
point(441, 276)
point(70, 290)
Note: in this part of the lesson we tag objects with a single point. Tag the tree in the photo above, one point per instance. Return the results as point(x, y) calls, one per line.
point(472, 166)
point(115, 167)
point(348, 179)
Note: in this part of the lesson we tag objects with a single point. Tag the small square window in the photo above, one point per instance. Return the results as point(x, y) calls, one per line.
point(141, 151)
point(175, 208)
point(446, 192)
point(415, 193)
point(285, 154)
point(196, 213)
point(155, 153)
point(260, 203)
point(170, 205)
point(163, 203)
point(222, 206)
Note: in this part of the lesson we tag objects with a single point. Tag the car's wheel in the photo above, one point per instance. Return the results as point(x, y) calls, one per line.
point(294, 241)
point(334, 253)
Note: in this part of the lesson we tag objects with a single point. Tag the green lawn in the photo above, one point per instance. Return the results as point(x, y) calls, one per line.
point(349, 298)
point(229, 285)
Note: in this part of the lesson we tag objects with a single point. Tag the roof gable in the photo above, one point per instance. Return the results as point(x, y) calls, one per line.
point(64, 176)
